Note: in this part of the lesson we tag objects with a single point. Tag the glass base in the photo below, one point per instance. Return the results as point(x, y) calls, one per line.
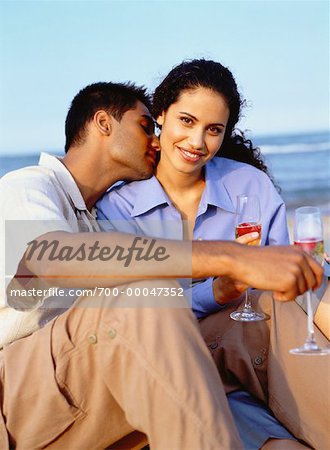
point(247, 315)
point(310, 349)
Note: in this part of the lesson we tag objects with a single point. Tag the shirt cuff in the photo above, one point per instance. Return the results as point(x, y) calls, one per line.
point(203, 301)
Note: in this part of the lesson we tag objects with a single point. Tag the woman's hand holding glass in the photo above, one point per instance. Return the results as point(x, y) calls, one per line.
point(226, 289)
point(248, 220)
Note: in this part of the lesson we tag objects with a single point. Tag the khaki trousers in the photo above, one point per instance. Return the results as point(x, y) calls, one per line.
point(97, 372)
point(240, 350)
point(255, 357)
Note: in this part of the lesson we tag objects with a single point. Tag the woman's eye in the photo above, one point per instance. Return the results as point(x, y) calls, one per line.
point(186, 120)
point(215, 130)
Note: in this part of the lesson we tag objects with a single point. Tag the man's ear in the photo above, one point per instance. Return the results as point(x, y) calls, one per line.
point(160, 119)
point(102, 120)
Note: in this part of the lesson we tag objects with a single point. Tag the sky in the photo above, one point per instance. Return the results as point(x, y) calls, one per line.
point(277, 50)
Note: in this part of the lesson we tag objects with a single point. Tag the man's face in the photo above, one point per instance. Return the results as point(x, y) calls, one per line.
point(133, 143)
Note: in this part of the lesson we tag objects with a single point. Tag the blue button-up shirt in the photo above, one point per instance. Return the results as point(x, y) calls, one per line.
point(143, 207)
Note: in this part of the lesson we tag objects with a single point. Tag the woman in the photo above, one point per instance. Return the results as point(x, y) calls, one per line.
point(194, 190)
point(203, 165)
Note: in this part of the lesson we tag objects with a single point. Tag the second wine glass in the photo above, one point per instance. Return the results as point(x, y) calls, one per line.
point(308, 234)
point(248, 221)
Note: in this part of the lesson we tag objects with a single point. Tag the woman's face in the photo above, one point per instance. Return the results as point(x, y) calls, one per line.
point(193, 129)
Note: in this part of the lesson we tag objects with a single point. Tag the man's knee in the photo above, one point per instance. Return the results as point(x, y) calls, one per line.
point(147, 304)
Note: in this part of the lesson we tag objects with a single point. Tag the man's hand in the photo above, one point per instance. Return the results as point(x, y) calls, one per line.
point(287, 271)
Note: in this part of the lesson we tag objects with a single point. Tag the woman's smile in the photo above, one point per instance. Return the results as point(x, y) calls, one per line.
point(190, 156)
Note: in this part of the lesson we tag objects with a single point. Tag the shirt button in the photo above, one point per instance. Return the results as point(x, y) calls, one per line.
point(213, 346)
point(92, 338)
point(112, 333)
point(258, 360)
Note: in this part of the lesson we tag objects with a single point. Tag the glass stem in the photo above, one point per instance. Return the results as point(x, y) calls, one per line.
point(247, 304)
point(310, 323)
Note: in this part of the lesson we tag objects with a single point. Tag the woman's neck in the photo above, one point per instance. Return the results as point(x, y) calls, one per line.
point(185, 192)
point(178, 182)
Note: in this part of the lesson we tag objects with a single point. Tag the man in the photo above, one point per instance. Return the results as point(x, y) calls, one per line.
point(88, 376)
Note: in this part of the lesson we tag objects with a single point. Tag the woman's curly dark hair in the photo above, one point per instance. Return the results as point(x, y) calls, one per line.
point(209, 74)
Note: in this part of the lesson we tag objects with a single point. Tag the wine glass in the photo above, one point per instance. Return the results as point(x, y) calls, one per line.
point(248, 221)
point(308, 234)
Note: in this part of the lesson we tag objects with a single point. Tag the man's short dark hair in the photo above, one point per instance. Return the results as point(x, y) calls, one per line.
point(115, 98)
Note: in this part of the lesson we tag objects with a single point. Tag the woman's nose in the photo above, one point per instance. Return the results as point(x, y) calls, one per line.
point(196, 139)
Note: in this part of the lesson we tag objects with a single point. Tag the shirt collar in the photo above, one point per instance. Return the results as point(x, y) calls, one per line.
point(65, 178)
point(215, 190)
point(149, 195)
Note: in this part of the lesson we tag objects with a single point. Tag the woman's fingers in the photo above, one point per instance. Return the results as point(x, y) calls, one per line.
point(226, 289)
point(248, 238)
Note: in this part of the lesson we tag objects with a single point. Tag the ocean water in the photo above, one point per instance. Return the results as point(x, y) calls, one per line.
point(300, 165)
